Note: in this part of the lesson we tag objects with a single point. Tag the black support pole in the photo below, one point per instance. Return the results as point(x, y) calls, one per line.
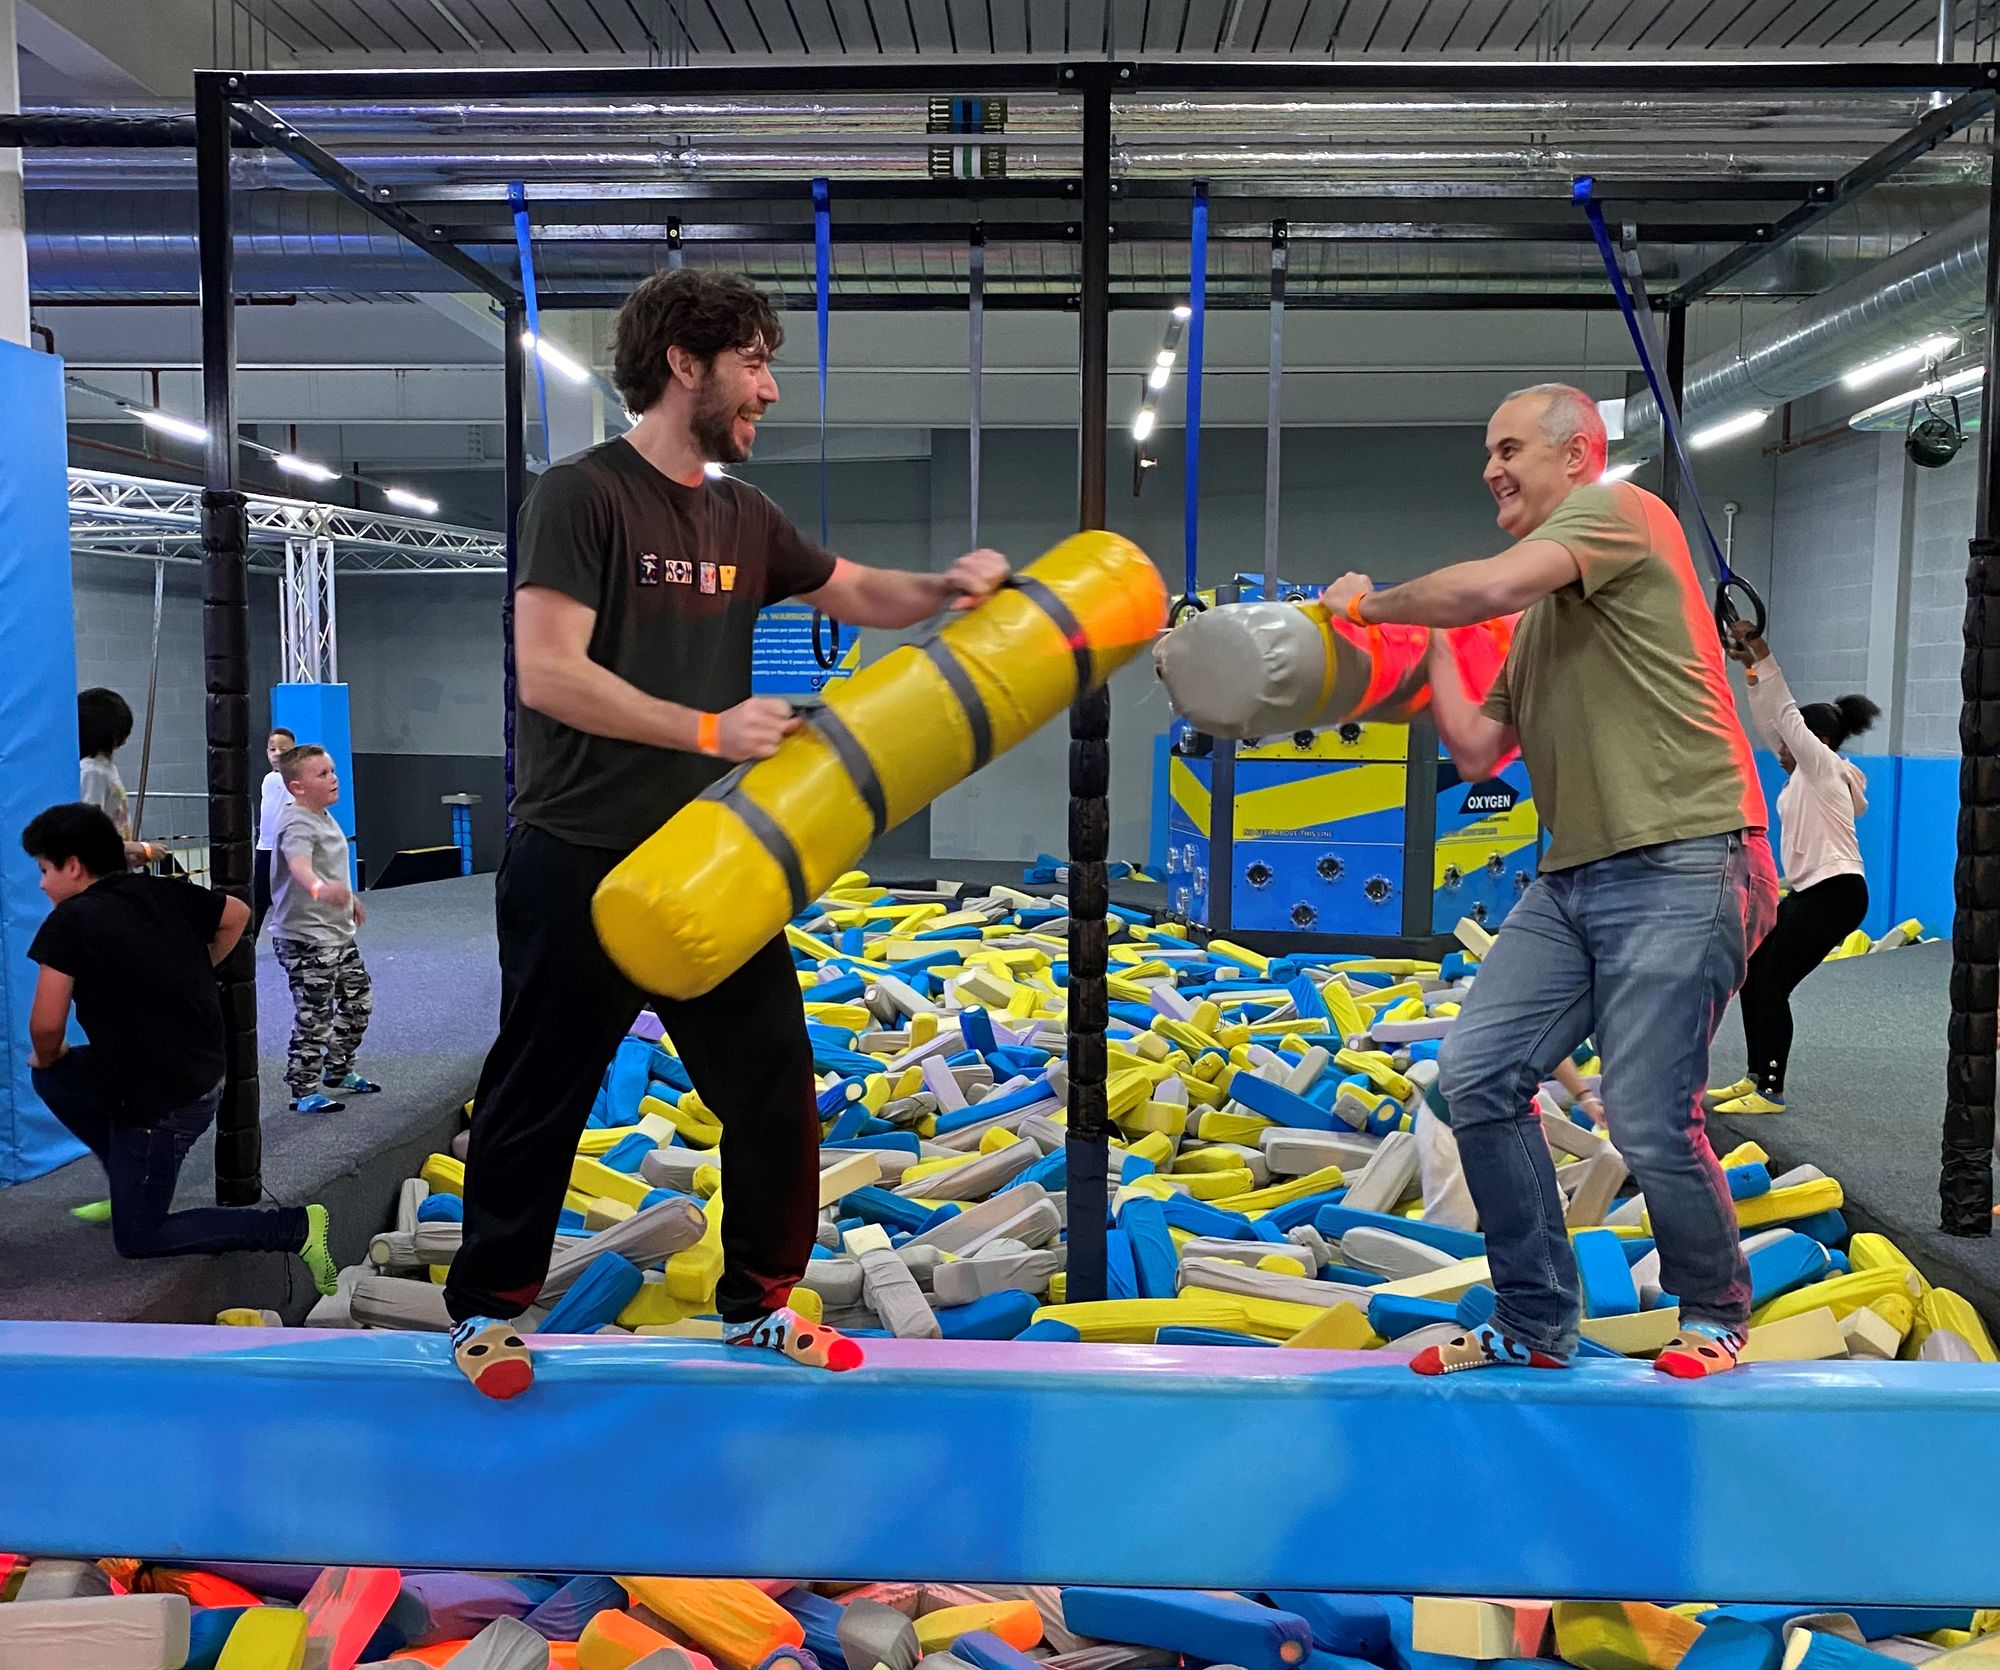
point(1965, 1183)
point(515, 358)
point(1676, 372)
point(225, 638)
point(1087, 1149)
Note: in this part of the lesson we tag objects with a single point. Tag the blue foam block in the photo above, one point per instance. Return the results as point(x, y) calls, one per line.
point(1049, 1331)
point(1788, 1262)
point(1606, 1277)
point(1155, 1263)
point(1207, 1336)
point(568, 1223)
point(1335, 1221)
point(441, 1209)
point(1296, 1213)
point(1728, 1643)
point(975, 1026)
point(1875, 1622)
point(1274, 1101)
point(901, 1142)
point(1222, 1629)
point(876, 1205)
point(842, 988)
point(1307, 1002)
point(820, 1619)
point(609, 1283)
point(208, 1634)
point(1393, 1315)
point(984, 1650)
point(1828, 1228)
point(1348, 1625)
point(562, 1616)
point(1636, 1247)
point(1747, 1181)
point(1121, 1279)
point(628, 1152)
point(1200, 1218)
point(1000, 1315)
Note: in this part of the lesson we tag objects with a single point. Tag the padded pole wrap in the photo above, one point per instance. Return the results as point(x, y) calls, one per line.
point(727, 871)
point(1261, 669)
point(1965, 1190)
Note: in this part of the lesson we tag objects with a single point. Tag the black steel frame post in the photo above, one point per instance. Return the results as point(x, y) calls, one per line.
point(1087, 1148)
point(1965, 1179)
point(515, 469)
point(225, 635)
point(1675, 371)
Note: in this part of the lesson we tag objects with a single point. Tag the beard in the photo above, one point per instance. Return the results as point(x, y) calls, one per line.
point(713, 425)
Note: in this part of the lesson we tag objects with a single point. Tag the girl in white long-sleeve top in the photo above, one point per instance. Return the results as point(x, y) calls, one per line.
point(1821, 855)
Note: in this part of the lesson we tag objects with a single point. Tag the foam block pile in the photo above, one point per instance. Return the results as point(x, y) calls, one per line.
point(118, 1614)
point(1280, 1175)
point(1858, 944)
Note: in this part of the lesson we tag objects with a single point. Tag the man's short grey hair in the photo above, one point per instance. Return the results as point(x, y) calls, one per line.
point(1570, 412)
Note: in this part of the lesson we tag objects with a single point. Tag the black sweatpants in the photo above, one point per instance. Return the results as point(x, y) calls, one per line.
point(260, 888)
point(564, 1006)
point(1811, 922)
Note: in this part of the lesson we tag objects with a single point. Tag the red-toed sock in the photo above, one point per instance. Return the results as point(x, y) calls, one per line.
point(791, 1335)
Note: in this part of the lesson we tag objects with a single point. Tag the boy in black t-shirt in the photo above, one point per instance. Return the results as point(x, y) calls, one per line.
point(136, 954)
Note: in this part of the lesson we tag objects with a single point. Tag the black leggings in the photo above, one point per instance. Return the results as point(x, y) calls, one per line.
point(260, 888)
point(564, 1006)
point(1811, 922)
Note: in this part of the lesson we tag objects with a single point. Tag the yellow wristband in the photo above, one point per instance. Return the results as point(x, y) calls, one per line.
point(1354, 609)
point(708, 733)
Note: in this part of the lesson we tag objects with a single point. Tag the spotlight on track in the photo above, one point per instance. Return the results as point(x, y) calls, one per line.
point(405, 499)
point(292, 464)
point(167, 424)
point(1142, 425)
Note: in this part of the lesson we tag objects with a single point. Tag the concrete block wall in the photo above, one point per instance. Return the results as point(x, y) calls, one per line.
point(1934, 641)
point(1823, 561)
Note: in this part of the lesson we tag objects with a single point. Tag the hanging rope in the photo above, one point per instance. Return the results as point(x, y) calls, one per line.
point(975, 348)
point(1273, 431)
point(1188, 603)
point(1653, 362)
point(517, 196)
point(827, 652)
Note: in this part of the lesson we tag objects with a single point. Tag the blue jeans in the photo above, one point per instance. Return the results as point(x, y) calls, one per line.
point(144, 1164)
point(1642, 951)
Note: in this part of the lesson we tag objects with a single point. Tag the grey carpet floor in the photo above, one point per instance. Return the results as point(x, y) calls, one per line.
point(437, 993)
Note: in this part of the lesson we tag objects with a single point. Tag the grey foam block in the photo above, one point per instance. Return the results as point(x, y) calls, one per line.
point(1434, 1333)
point(1246, 1253)
point(1389, 1175)
point(336, 1309)
point(1221, 1276)
point(461, 1145)
point(674, 1168)
point(397, 1302)
point(1385, 1253)
point(1110, 1656)
point(1296, 1153)
point(968, 1137)
point(62, 1580)
point(1565, 1135)
point(1012, 1213)
point(1411, 1031)
point(414, 1192)
point(894, 1296)
point(1301, 1078)
point(1628, 1213)
point(96, 1632)
point(827, 1234)
point(651, 1234)
point(1044, 1133)
point(921, 1262)
point(966, 1279)
point(976, 1179)
point(394, 1249)
point(837, 1281)
point(1318, 1249)
point(1797, 1175)
point(504, 1644)
point(1646, 1278)
point(1941, 1345)
point(873, 1634)
point(1596, 1185)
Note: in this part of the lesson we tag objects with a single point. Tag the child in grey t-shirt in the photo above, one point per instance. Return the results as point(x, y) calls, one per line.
point(314, 914)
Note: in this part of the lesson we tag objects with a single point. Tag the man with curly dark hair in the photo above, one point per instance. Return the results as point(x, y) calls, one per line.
point(640, 577)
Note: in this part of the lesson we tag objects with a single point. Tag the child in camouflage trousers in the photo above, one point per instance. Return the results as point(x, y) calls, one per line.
point(314, 914)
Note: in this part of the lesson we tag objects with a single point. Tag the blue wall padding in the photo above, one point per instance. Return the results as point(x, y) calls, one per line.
point(318, 714)
point(1607, 1279)
point(984, 1650)
point(1351, 1625)
point(1154, 1261)
point(38, 752)
point(1335, 1221)
point(608, 1284)
point(1788, 1262)
point(208, 1634)
point(189, 1403)
point(1746, 1182)
point(1223, 1629)
point(820, 1618)
point(1926, 839)
point(562, 1616)
point(993, 1316)
point(1274, 1101)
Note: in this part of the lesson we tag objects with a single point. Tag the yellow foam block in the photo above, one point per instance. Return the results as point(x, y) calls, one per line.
point(1128, 1090)
point(854, 1017)
point(265, 1638)
point(1636, 1334)
point(1135, 1321)
point(1810, 1336)
point(1207, 1159)
point(911, 1079)
point(1168, 1118)
point(734, 1622)
point(1942, 1308)
point(602, 1213)
point(1380, 1074)
point(594, 1177)
point(1480, 1629)
point(654, 1307)
point(1214, 1125)
point(996, 1139)
point(923, 1028)
point(707, 1182)
point(1190, 1038)
point(1454, 1281)
point(1242, 953)
point(1281, 1265)
point(1016, 1622)
point(1868, 1251)
point(848, 1173)
point(1283, 1194)
point(1745, 1154)
point(445, 1175)
point(1621, 1635)
point(1217, 1185)
point(1899, 1310)
point(691, 1275)
point(601, 1140)
point(1840, 1294)
point(1340, 1327)
point(1348, 1016)
point(687, 1116)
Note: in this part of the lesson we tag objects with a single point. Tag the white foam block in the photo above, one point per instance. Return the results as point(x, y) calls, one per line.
point(97, 1632)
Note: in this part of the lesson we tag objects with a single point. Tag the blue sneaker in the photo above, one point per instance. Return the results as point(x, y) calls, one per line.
point(353, 1083)
point(316, 1104)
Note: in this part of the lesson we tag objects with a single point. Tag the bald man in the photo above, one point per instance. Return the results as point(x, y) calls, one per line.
point(1656, 886)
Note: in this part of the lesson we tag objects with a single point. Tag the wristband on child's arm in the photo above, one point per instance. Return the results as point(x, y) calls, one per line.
point(1354, 609)
point(708, 733)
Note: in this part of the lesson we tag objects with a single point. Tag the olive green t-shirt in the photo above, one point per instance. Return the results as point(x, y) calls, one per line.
point(1616, 686)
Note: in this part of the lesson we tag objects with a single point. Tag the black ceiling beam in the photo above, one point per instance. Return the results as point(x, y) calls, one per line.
point(1827, 198)
point(931, 77)
point(1143, 301)
point(1552, 80)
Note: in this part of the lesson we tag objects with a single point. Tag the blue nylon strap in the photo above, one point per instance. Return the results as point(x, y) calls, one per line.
point(1582, 191)
point(517, 197)
point(1197, 304)
point(822, 289)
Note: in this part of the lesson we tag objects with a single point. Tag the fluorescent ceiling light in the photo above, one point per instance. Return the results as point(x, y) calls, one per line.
point(553, 357)
point(1613, 414)
point(1160, 375)
point(412, 501)
point(1142, 425)
point(1183, 311)
point(1622, 472)
point(1164, 357)
point(1905, 359)
point(168, 424)
point(1741, 424)
point(292, 464)
point(1956, 383)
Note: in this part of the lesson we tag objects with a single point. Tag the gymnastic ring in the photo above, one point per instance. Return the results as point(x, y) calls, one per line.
point(1182, 608)
point(1725, 606)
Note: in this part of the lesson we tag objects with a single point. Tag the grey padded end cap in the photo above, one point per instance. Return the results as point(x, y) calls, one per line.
point(1244, 669)
point(871, 1633)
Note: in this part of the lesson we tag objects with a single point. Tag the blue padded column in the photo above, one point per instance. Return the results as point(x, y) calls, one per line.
point(37, 721)
point(317, 713)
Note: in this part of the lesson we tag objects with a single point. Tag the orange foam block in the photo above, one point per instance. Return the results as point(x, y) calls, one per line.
point(1016, 1622)
point(612, 1640)
point(736, 1623)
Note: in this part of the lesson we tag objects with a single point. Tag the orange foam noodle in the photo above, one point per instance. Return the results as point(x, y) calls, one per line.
point(202, 1588)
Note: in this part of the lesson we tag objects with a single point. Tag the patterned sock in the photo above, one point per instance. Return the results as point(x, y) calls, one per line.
point(1699, 1350)
point(318, 1258)
point(791, 1335)
point(1483, 1347)
point(492, 1356)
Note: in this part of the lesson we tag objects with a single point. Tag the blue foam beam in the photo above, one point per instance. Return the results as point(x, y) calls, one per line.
point(323, 1448)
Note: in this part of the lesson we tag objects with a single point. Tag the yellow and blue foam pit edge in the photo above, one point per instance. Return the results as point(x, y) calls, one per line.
point(444, 1174)
point(1621, 1635)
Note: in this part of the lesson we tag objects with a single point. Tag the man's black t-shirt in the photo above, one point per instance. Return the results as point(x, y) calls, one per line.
point(676, 575)
point(137, 948)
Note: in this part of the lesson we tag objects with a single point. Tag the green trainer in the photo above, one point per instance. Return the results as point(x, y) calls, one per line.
point(92, 1212)
point(318, 1259)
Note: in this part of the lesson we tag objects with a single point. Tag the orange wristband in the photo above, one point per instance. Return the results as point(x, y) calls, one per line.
point(708, 733)
point(1354, 609)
